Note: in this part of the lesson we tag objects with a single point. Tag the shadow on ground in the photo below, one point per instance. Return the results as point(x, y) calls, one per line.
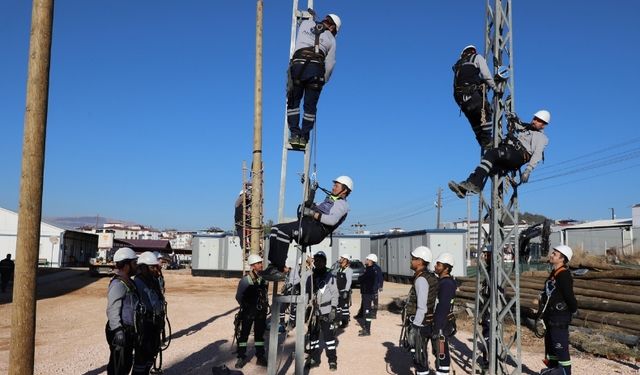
point(198, 326)
point(55, 282)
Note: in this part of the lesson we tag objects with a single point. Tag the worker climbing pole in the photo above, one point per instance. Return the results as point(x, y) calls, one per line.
point(497, 350)
point(311, 61)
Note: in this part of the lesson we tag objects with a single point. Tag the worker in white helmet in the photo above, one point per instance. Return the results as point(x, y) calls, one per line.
point(122, 299)
point(314, 225)
point(558, 305)
point(444, 322)
point(470, 80)
point(525, 147)
point(251, 295)
point(310, 69)
point(368, 288)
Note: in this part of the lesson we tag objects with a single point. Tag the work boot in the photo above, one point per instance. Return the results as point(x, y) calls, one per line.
point(311, 363)
point(470, 187)
point(272, 274)
point(364, 332)
point(333, 366)
point(303, 140)
point(294, 140)
point(457, 189)
point(261, 361)
point(241, 362)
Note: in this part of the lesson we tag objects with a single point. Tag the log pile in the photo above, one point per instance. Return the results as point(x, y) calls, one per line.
point(608, 299)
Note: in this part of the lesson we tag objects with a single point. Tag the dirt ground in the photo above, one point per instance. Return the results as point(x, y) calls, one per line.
point(71, 319)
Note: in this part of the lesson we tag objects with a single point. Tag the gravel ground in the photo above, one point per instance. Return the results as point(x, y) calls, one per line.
point(71, 319)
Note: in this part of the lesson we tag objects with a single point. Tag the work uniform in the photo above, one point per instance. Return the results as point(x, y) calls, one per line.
point(368, 289)
point(380, 282)
point(419, 317)
point(150, 316)
point(325, 296)
point(344, 278)
point(241, 217)
point(560, 305)
point(252, 297)
point(292, 287)
point(444, 323)
point(6, 272)
point(309, 70)
point(308, 231)
point(527, 146)
point(471, 73)
point(122, 300)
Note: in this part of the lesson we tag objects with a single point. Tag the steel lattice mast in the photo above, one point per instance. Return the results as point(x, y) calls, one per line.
point(500, 341)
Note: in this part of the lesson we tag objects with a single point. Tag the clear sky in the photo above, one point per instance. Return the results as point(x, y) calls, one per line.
point(151, 107)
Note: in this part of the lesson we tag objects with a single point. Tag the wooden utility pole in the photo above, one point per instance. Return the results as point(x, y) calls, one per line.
point(256, 190)
point(23, 314)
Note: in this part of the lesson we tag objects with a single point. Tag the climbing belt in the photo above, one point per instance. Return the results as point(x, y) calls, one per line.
point(164, 345)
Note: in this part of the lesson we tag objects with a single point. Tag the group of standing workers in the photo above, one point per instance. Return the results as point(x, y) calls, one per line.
point(136, 313)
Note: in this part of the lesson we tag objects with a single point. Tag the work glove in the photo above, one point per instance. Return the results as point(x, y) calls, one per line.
point(332, 314)
point(512, 117)
point(344, 294)
point(119, 338)
point(306, 211)
point(524, 177)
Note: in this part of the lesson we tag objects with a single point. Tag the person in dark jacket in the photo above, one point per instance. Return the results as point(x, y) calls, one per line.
point(252, 297)
point(150, 315)
point(6, 271)
point(380, 282)
point(368, 288)
point(559, 304)
point(122, 300)
point(444, 325)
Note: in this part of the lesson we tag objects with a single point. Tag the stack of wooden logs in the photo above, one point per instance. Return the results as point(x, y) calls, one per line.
point(608, 298)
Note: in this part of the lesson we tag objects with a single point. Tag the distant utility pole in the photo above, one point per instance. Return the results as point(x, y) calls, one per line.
point(256, 190)
point(613, 213)
point(438, 206)
point(23, 315)
point(359, 227)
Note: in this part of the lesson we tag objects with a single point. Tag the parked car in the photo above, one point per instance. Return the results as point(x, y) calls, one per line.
point(358, 269)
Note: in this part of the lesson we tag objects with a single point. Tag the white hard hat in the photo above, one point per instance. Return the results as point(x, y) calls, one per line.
point(346, 256)
point(124, 253)
point(148, 258)
point(336, 20)
point(253, 259)
point(468, 47)
point(373, 258)
point(445, 258)
point(346, 181)
point(543, 115)
point(423, 253)
point(487, 249)
point(564, 250)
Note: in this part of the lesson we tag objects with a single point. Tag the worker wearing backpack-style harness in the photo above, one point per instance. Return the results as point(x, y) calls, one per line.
point(122, 299)
point(323, 292)
point(558, 304)
point(252, 295)
point(470, 79)
point(527, 147)
point(418, 312)
point(315, 224)
point(344, 277)
point(309, 70)
point(150, 314)
point(444, 322)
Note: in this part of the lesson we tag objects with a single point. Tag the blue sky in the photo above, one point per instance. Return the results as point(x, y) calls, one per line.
point(151, 108)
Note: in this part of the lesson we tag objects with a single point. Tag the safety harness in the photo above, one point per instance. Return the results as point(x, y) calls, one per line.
point(466, 75)
point(543, 303)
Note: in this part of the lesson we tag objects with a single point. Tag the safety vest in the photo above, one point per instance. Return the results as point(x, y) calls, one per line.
point(130, 301)
point(466, 73)
point(254, 298)
point(341, 279)
point(412, 300)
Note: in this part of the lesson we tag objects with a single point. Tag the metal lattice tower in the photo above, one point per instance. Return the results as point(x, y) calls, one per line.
point(497, 306)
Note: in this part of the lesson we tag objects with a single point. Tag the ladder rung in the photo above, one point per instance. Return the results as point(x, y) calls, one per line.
point(296, 148)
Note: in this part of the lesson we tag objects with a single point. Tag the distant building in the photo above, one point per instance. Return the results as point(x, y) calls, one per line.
point(132, 232)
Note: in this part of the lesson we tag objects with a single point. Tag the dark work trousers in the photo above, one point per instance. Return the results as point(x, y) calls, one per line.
point(147, 349)
point(472, 106)
point(120, 357)
point(503, 158)
point(375, 303)
point(421, 356)
point(343, 307)
point(259, 323)
point(556, 341)
point(308, 80)
point(367, 310)
point(295, 290)
point(313, 233)
point(329, 338)
point(5, 282)
point(443, 358)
